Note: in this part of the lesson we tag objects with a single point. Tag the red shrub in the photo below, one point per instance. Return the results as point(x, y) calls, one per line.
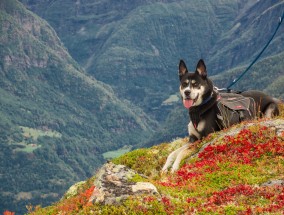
point(8, 213)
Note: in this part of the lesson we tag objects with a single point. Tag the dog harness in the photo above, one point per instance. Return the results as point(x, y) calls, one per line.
point(197, 111)
point(232, 109)
point(235, 108)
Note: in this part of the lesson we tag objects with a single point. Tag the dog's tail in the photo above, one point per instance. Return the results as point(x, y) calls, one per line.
point(278, 101)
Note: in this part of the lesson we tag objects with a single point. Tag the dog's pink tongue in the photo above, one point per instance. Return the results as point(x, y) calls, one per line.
point(187, 103)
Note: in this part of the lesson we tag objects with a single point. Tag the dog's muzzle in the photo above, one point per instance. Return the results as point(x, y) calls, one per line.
point(187, 94)
point(188, 101)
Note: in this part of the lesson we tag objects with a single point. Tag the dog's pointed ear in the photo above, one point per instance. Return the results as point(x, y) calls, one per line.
point(182, 70)
point(201, 68)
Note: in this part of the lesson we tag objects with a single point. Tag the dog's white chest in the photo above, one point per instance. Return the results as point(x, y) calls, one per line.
point(196, 131)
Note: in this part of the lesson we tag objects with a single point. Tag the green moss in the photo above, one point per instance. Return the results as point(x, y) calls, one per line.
point(136, 178)
point(233, 209)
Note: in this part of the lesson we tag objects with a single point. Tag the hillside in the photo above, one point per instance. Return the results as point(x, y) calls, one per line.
point(235, 171)
point(249, 33)
point(55, 120)
point(141, 42)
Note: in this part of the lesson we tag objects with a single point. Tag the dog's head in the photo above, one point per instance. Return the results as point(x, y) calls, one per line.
point(194, 87)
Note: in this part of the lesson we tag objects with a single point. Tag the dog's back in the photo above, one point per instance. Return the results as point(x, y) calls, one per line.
point(265, 105)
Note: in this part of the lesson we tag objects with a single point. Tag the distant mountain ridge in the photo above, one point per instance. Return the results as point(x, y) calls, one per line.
point(247, 36)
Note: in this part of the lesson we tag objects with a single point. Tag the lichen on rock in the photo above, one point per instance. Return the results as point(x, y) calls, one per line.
point(114, 183)
point(73, 190)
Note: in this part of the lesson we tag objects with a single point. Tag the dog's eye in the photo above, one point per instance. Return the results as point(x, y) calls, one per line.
point(184, 84)
point(196, 85)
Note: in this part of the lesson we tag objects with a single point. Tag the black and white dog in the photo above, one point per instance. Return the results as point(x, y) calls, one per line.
point(201, 99)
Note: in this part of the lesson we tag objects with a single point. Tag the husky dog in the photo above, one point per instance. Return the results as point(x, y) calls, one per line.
point(208, 114)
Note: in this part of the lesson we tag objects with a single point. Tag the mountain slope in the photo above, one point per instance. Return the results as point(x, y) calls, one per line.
point(235, 171)
point(135, 45)
point(55, 120)
point(266, 75)
point(140, 42)
point(247, 36)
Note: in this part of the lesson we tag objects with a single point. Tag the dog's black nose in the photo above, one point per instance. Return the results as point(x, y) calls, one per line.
point(187, 92)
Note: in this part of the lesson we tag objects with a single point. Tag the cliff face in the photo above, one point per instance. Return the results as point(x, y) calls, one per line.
point(235, 171)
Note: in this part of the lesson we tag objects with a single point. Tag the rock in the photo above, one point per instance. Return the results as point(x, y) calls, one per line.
point(277, 182)
point(113, 184)
point(73, 190)
point(144, 187)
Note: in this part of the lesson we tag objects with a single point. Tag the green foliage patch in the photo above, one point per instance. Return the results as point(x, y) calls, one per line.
point(116, 153)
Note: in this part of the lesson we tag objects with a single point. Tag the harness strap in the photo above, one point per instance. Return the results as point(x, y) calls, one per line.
point(195, 112)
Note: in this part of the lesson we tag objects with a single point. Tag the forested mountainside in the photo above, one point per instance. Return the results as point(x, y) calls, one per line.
point(60, 112)
point(250, 32)
point(137, 44)
point(55, 120)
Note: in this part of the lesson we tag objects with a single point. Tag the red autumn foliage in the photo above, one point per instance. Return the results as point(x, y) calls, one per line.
point(229, 194)
point(78, 202)
point(169, 207)
point(8, 213)
point(244, 149)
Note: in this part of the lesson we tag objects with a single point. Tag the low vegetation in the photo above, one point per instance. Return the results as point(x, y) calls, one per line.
point(116, 153)
point(239, 173)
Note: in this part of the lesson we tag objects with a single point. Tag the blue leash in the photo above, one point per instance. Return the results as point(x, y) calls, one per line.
point(258, 56)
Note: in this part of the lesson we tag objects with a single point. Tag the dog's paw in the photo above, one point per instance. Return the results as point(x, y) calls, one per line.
point(165, 169)
point(174, 169)
point(163, 172)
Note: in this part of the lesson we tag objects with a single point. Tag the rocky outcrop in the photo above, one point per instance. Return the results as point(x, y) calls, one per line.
point(277, 182)
point(115, 183)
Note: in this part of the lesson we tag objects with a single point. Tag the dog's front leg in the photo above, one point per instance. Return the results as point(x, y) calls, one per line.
point(181, 155)
point(172, 157)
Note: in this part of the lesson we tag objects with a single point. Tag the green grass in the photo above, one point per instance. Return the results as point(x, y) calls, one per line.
point(116, 153)
point(171, 99)
point(28, 148)
point(36, 133)
point(31, 135)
